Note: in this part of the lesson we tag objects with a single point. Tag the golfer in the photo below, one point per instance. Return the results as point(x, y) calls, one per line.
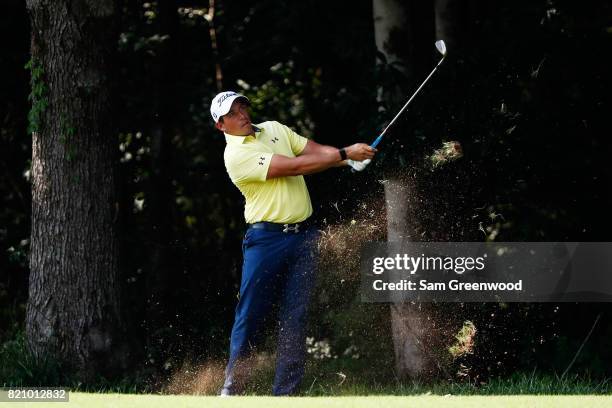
point(267, 162)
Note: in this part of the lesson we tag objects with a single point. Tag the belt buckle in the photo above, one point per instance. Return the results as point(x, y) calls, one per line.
point(295, 228)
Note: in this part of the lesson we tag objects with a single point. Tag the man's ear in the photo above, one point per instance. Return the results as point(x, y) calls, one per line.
point(219, 125)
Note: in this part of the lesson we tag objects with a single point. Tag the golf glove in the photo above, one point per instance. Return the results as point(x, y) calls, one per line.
point(358, 165)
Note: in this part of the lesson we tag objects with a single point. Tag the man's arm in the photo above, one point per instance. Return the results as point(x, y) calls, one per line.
point(316, 148)
point(314, 158)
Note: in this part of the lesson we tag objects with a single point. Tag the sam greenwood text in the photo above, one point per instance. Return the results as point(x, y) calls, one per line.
point(454, 285)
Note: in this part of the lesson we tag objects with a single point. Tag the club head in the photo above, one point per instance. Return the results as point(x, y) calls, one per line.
point(441, 47)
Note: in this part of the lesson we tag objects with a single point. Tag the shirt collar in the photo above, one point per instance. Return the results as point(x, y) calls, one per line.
point(231, 139)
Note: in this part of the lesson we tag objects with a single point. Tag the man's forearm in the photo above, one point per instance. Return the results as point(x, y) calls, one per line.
point(321, 159)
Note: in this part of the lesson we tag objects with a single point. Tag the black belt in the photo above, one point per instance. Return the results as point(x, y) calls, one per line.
point(272, 226)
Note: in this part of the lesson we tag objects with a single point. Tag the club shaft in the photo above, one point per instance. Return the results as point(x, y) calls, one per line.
point(379, 138)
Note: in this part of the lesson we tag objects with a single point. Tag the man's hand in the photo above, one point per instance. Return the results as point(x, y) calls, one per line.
point(358, 165)
point(360, 152)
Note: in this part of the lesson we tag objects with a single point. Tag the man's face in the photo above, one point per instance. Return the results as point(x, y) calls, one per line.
point(237, 121)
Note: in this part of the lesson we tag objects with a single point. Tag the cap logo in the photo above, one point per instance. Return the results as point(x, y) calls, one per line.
point(225, 96)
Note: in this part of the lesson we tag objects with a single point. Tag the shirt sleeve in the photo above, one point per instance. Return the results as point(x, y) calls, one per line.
point(297, 142)
point(246, 165)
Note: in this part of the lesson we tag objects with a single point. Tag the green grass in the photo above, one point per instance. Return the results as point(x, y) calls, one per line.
point(331, 386)
point(522, 384)
point(519, 391)
point(424, 401)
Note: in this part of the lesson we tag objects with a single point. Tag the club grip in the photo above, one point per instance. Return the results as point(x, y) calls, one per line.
point(374, 144)
point(377, 141)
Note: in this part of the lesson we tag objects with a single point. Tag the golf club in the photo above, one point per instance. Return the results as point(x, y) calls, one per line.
point(441, 47)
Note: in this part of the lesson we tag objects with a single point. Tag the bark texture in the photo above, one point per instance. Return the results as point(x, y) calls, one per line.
point(73, 311)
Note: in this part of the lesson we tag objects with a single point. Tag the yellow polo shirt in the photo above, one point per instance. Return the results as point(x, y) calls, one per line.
point(247, 158)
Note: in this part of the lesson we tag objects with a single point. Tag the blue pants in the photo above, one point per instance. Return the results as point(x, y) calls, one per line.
point(278, 269)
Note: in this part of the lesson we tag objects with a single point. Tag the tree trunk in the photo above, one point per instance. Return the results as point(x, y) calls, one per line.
point(388, 17)
point(73, 311)
point(408, 322)
point(396, 25)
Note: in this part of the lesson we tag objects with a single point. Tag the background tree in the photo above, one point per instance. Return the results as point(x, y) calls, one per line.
point(396, 26)
point(73, 311)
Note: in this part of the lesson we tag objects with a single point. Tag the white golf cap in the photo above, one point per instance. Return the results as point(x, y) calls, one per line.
point(222, 103)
